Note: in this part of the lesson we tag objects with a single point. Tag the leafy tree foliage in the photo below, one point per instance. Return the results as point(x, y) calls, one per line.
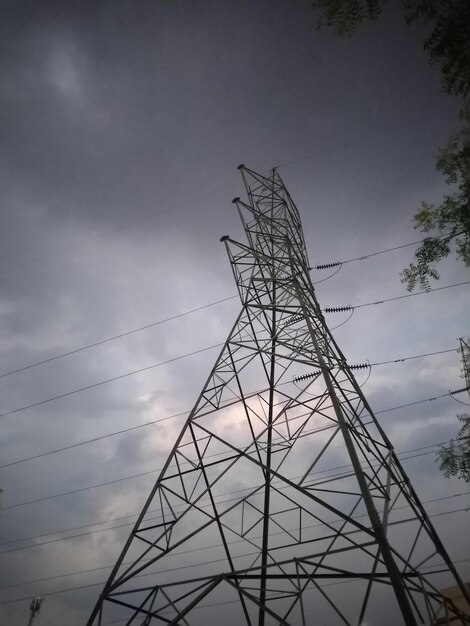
point(449, 43)
point(346, 15)
point(449, 221)
point(448, 47)
point(455, 458)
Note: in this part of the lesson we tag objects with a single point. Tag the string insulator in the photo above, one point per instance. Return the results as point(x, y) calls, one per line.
point(359, 366)
point(326, 266)
point(337, 309)
point(305, 376)
point(293, 320)
point(467, 388)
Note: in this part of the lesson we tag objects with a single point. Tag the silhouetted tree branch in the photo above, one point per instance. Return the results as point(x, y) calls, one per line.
point(448, 47)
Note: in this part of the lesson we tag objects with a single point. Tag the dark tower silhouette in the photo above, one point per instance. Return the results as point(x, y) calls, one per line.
point(282, 501)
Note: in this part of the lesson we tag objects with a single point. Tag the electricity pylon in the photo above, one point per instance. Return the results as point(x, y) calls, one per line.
point(282, 501)
point(465, 352)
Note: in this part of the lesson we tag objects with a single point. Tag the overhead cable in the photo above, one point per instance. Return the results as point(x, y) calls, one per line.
point(104, 567)
point(324, 266)
point(337, 309)
point(87, 586)
point(152, 422)
point(149, 367)
point(109, 380)
point(116, 480)
point(87, 533)
point(144, 218)
point(114, 337)
point(348, 307)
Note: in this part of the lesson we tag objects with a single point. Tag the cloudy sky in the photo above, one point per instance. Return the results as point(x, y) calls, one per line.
point(122, 124)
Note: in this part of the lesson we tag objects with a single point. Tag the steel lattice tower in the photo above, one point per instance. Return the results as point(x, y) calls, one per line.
point(282, 501)
point(465, 352)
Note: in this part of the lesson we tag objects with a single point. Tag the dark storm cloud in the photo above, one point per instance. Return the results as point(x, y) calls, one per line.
point(115, 112)
point(114, 99)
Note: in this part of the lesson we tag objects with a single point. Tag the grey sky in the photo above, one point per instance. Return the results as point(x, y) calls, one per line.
point(122, 124)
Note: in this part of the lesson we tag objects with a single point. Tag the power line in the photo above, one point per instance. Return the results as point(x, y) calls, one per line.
point(183, 552)
point(180, 205)
point(129, 224)
point(127, 374)
point(109, 380)
point(309, 589)
point(104, 567)
point(157, 517)
point(93, 439)
point(365, 137)
point(73, 491)
point(80, 587)
point(329, 470)
point(208, 305)
point(331, 264)
point(411, 295)
point(114, 337)
point(78, 490)
point(407, 295)
point(150, 423)
point(404, 406)
point(117, 480)
point(414, 356)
